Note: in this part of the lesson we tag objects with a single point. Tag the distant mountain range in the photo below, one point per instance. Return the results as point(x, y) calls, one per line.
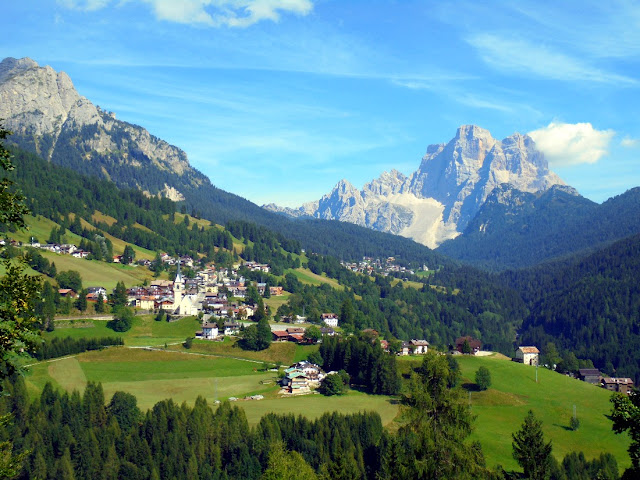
point(49, 117)
point(444, 194)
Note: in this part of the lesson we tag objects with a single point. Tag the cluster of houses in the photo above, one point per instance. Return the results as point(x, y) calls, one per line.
point(208, 292)
point(370, 265)
point(613, 384)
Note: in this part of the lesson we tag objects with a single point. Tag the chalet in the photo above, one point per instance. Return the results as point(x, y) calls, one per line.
point(209, 331)
point(231, 328)
point(405, 349)
point(93, 297)
point(280, 336)
point(419, 347)
point(80, 254)
point(590, 375)
point(291, 330)
point(528, 355)
point(145, 302)
point(474, 345)
point(622, 385)
point(67, 292)
point(297, 338)
point(330, 319)
point(117, 259)
point(276, 291)
point(97, 290)
point(328, 331)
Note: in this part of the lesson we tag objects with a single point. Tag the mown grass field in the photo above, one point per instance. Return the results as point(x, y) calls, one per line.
point(152, 375)
point(145, 331)
point(95, 273)
point(313, 406)
point(307, 276)
point(501, 409)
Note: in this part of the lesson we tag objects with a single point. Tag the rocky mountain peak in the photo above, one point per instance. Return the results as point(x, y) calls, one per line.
point(49, 116)
point(12, 66)
point(447, 190)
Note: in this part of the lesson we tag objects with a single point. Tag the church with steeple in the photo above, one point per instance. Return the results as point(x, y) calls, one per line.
point(183, 304)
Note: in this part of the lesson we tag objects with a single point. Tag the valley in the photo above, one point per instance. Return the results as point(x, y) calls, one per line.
point(161, 327)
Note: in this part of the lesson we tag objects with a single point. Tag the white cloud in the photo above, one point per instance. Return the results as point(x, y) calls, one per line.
point(567, 144)
point(629, 142)
point(214, 13)
point(515, 55)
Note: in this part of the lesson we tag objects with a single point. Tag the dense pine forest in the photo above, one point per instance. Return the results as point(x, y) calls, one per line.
point(589, 306)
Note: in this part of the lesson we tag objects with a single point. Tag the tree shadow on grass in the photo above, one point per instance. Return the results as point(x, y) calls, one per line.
point(471, 387)
point(565, 427)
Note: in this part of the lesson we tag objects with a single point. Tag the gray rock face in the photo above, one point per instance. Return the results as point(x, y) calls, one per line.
point(439, 199)
point(46, 113)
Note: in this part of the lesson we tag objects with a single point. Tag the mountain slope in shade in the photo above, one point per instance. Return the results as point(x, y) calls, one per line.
point(439, 199)
point(515, 229)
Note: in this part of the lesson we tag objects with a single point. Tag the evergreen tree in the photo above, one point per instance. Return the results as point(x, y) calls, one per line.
point(119, 297)
point(530, 450)
point(81, 301)
point(99, 307)
point(483, 378)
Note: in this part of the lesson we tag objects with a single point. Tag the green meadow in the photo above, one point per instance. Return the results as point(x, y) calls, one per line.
point(218, 370)
point(144, 332)
point(501, 409)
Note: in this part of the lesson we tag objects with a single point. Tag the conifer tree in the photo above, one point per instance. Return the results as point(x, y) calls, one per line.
point(530, 449)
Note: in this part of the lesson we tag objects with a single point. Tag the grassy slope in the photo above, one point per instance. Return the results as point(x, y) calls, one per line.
point(145, 331)
point(95, 273)
point(501, 410)
point(307, 276)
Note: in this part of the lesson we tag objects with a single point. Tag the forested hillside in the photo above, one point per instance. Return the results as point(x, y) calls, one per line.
point(452, 303)
point(590, 306)
point(515, 229)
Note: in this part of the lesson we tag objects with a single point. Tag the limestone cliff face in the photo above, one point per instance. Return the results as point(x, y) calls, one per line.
point(47, 115)
point(439, 199)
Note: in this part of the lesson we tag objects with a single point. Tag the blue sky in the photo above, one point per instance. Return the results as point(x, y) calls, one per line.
point(278, 100)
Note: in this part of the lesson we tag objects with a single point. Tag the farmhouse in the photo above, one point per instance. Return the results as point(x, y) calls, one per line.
point(622, 385)
point(419, 347)
point(330, 319)
point(280, 336)
point(209, 331)
point(528, 355)
point(474, 345)
point(590, 375)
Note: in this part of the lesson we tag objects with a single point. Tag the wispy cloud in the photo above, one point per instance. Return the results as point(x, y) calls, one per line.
point(514, 55)
point(566, 144)
point(629, 142)
point(212, 13)
point(86, 5)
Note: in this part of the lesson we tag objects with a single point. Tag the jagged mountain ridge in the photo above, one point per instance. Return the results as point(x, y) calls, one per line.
point(437, 201)
point(48, 116)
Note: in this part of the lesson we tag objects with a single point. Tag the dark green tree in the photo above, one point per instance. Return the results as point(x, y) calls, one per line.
point(119, 297)
point(122, 320)
point(483, 378)
point(70, 279)
point(530, 449)
point(128, 256)
point(99, 307)
point(626, 418)
point(332, 385)
point(81, 301)
point(434, 441)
